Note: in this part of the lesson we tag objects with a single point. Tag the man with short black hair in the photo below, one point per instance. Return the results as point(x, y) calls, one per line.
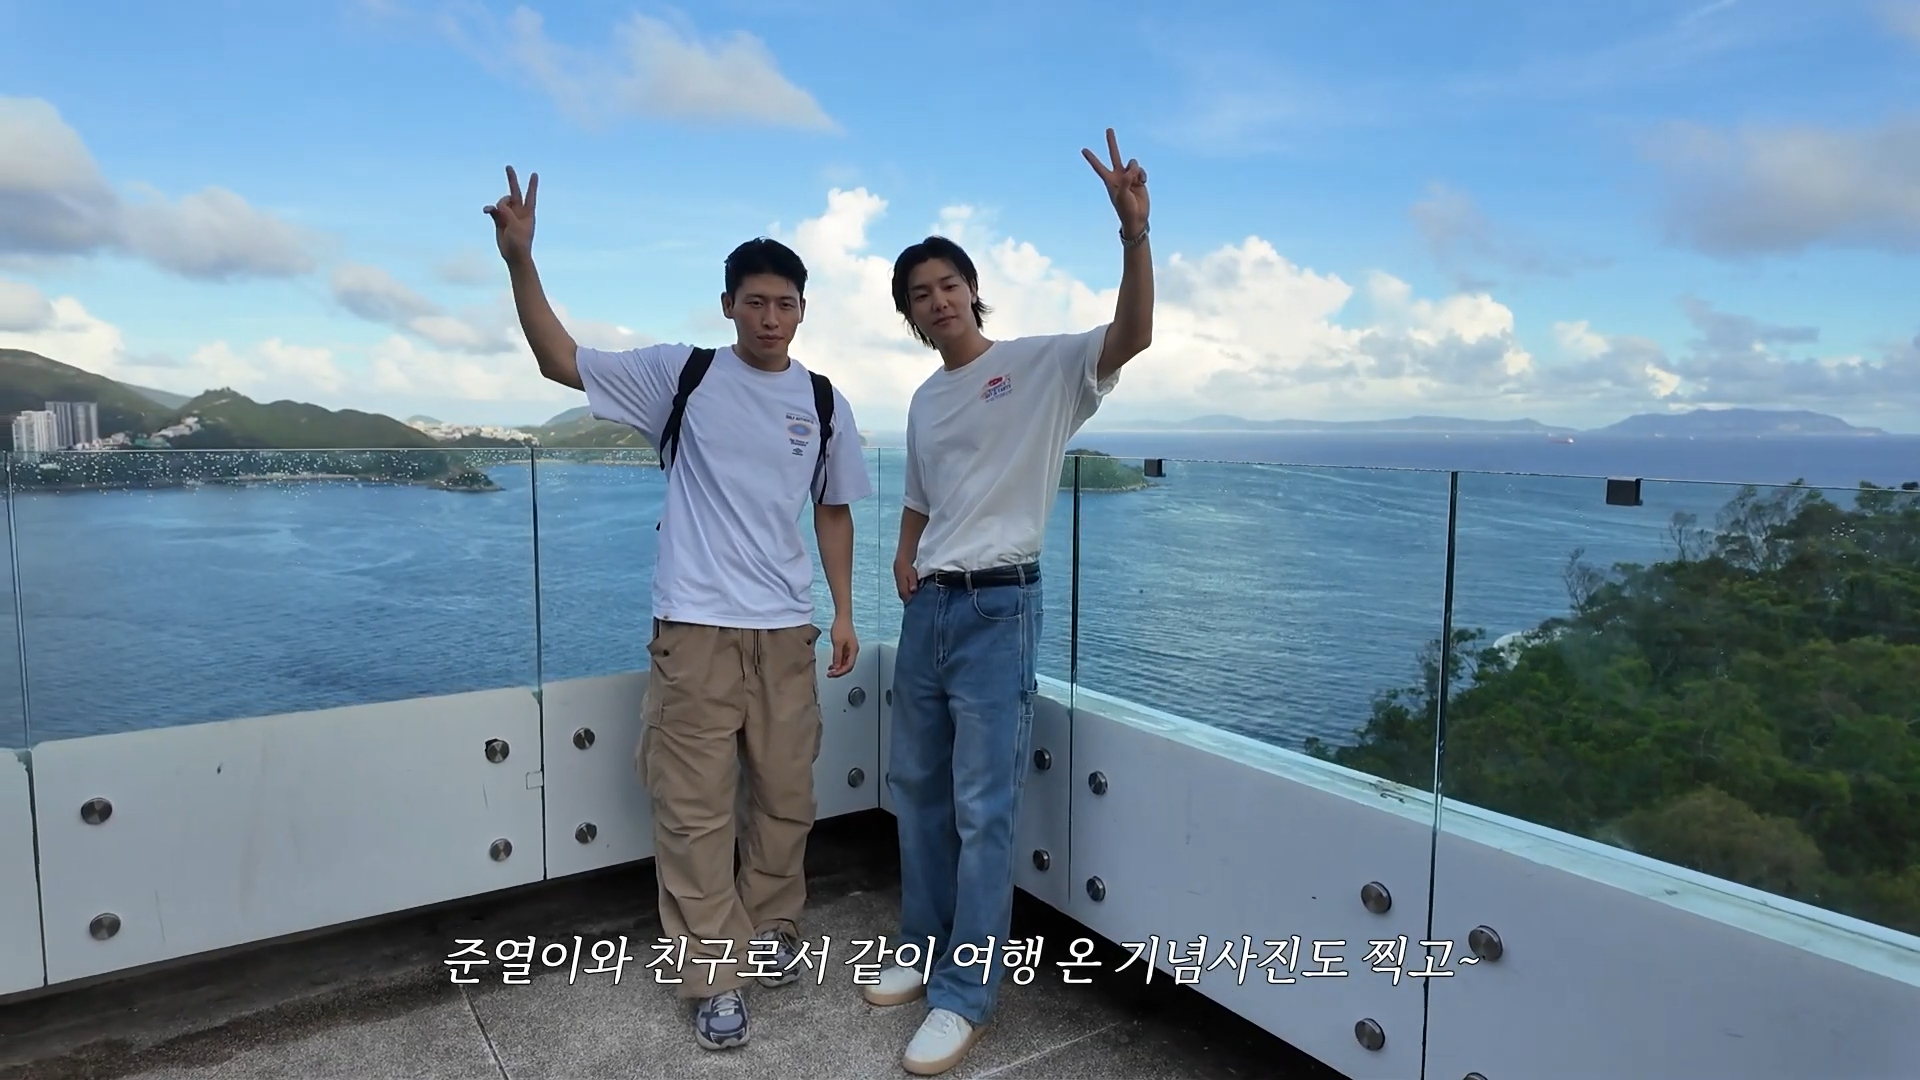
point(747, 434)
point(986, 434)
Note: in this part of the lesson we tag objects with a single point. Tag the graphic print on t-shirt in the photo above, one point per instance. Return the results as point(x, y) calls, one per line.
point(799, 432)
point(997, 387)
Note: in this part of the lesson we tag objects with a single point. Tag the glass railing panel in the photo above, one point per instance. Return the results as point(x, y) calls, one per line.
point(888, 487)
point(13, 701)
point(1722, 678)
point(872, 578)
point(597, 540)
point(1297, 606)
point(161, 588)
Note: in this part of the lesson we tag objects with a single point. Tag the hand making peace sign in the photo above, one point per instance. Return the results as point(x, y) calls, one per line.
point(1126, 186)
point(513, 218)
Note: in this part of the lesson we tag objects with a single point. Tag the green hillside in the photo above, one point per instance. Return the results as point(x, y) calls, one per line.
point(29, 380)
point(575, 429)
point(1744, 707)
point(167, 398)
point(233, 421)
point(1101, 472)
point(578, 412)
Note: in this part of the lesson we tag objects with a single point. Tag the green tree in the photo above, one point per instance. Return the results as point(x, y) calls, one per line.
point(1749, 708)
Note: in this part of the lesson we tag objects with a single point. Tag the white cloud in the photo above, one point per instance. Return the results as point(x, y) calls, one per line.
point(1733, 360)
point(373, 294)
point(398, 376)
point(52, 197)
point(655, 69)
point(53, 201)
point(72, 335)
point(23, 307)
point(1461, 239)
point(1578, 339)
point(452, 383)
point(1243, 330)
point(407, 371)
point(1783, 190)
point(603, 335)
point(469, 267)
point(214, 235)
point(268, 370)
point(1240, 328)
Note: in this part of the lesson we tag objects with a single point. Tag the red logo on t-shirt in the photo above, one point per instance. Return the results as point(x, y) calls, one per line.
point(998, 386)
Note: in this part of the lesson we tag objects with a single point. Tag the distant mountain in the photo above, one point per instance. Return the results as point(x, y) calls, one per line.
point(1735, 422)
point(231, 420)
point(579, 412)
point(1411, 425)
point(228, 420)
point(164, 397)
point(421, 418)
point(1717, 422)
point(577, 429)
point(29, 380)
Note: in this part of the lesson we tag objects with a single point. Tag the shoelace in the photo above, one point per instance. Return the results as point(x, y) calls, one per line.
point(723, 1005)
point(779, 939)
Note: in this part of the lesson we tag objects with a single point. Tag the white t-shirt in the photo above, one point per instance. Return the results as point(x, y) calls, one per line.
point(985, 443)
point(730, 550)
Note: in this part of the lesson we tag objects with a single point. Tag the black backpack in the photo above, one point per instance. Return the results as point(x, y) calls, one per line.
point(696, 370)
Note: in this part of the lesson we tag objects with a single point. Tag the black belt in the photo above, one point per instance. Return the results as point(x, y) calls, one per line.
point(1023, 574)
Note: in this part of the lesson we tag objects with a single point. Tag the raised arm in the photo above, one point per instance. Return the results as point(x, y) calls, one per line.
point(553, 348)
point(1132, 329)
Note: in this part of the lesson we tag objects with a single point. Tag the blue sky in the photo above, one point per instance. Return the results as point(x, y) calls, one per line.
point(1564, 211)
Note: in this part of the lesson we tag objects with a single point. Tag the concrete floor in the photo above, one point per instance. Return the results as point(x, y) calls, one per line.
point(375, 1000)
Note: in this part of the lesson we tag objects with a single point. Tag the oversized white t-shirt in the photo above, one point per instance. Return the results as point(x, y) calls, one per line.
point(730, 551)
point(985, 443)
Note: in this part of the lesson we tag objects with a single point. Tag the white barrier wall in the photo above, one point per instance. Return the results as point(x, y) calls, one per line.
point(1606, 965)
point(597, 812)
point(211, 835)
point(1182, 831)
point(174, 841)
point(1596, 963)
point(1042, 847)
point(1703, 977)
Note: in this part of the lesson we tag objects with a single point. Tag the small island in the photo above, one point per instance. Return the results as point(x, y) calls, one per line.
point(1101, 473)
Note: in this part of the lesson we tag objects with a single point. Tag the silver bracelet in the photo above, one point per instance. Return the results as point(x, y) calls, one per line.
point(1144, 230)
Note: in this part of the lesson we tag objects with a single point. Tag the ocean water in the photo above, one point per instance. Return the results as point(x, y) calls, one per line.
point(1272, 599)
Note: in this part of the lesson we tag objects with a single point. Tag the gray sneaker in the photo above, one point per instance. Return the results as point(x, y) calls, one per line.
point(786, 957)
point(720, 1022)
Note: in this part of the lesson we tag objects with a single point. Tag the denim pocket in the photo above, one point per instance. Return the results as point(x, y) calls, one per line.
point(1000, 603)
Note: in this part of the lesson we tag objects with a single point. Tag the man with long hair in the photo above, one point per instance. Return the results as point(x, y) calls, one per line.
point(986, 434)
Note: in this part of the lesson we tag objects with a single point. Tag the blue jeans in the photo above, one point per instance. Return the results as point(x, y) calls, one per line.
point(963, 689)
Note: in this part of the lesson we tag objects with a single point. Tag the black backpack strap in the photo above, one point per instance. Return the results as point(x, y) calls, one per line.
point(822, 408)
point(690, 376)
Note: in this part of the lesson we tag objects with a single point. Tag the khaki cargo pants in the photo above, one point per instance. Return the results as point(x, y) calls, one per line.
point(726, 707)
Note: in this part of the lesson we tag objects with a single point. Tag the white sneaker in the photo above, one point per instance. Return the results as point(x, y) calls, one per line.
point(897, 986)
point(943, 1039)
